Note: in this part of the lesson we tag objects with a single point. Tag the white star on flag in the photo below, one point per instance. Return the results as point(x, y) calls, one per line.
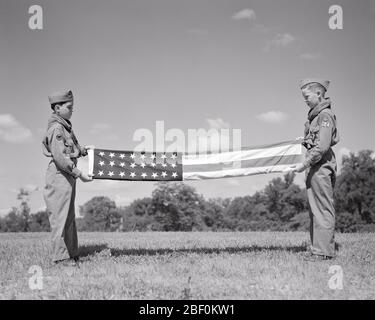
point(111, 163)
point(111, 154)
point(143, 164)
point(153, 157)
point(153, 164)
point(101, 154)
point(173, 165)
point(173, 156)
point(163, 165)
point(122, 174)
point(143, 156)
point(154, 175)
point(132, 156)
point(122, 156)
point(174, 174)
point(133, 165)
point(100, 173)
point(164, 174)
point(132, 174)
point(101, 163)
point(144, 175)
point(110, 173)
point(163, 156)
point(122, 164)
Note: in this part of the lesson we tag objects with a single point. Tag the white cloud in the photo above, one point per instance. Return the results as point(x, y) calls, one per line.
point(103, 130)
point(280, 40)
point(272, 116)
point(13, 131)
point(218, 124)
point(122, 200)
point(217, 137)
point(4, 212)
point(310, 56)
point(245, 14)
point(343, 151)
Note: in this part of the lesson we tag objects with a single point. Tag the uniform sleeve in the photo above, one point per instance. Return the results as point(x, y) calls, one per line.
point(326, 127)
point(62, 161)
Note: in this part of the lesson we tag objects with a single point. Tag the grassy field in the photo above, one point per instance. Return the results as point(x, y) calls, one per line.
point(193, 265)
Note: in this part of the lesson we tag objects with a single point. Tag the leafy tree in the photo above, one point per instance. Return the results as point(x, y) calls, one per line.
point(355, 187)
point(13, 221)
point(215, 214)
point(100, 214)
point(284, 198)
point(18, 219)
point(177, 207)
point(39, 222)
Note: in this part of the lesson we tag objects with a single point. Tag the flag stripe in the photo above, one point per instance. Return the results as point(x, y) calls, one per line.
point(232, 172)
point(263, 146)
point(286, 150)
point(245, 162)
point(260, 162)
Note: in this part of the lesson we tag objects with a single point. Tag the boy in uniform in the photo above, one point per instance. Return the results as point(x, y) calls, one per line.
point(320, 165)
point(61, 145)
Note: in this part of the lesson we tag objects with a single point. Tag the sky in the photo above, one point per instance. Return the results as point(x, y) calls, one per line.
point(191, 64)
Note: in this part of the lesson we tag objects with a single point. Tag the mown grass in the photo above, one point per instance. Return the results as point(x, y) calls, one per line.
point(191, 265)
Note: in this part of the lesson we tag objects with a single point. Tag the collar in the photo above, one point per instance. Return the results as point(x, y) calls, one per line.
point(317, 109)
point(57, 119)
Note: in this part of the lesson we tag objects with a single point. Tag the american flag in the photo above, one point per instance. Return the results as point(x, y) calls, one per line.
point(177, 166)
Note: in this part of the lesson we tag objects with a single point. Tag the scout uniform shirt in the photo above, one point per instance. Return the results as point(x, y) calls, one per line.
point(320, 133)
point(61, 144)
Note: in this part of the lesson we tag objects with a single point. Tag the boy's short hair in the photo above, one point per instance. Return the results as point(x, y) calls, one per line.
point(315, 86)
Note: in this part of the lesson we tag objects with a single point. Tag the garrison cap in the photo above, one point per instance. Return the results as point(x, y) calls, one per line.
point(60, 96)
point(324, 83)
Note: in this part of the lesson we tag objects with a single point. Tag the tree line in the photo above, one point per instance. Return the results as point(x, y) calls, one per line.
point(280, 206)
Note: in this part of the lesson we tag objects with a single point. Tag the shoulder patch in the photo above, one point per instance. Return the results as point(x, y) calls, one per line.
point(58, 132)
point(326, 122)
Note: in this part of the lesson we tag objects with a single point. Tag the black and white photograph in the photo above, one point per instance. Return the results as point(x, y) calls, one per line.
point(197, 152)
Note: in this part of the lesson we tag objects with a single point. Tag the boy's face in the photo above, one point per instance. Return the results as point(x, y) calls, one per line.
point(311, 98)
point(65, 110)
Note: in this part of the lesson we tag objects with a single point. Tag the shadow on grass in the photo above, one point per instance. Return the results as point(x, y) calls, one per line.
point(89, 250)
point(161, 251)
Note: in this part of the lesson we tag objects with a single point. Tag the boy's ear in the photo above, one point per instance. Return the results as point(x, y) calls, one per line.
point(55, 107)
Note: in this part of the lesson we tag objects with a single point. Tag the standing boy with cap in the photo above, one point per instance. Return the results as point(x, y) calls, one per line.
point(61, 145)
point(320, 165)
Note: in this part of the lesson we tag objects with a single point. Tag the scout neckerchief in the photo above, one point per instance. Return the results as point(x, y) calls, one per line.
point(317, 109)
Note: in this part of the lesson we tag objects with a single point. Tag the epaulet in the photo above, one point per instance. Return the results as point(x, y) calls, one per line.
point(55, 126)
point(329, 112)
